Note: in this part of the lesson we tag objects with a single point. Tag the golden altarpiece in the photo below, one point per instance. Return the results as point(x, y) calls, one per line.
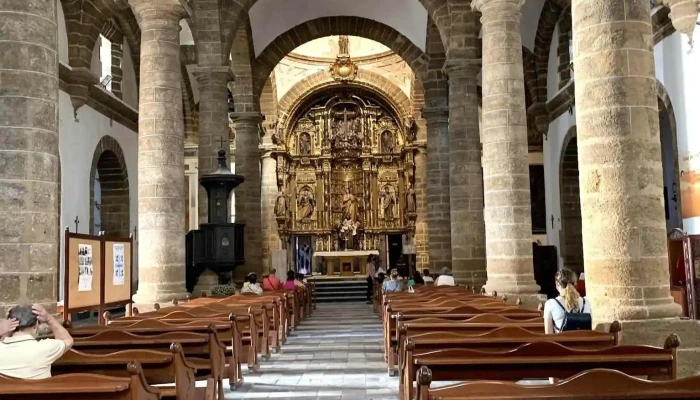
point(345, 170)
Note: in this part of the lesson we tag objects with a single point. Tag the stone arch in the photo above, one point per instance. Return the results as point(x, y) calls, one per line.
point(552, 11)
point(668, 116)
point(571, 245)
point(108, 162)
point(338, 25)
point(323, 79)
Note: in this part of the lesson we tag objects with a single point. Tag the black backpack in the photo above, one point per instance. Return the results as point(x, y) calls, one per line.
point(575, 320)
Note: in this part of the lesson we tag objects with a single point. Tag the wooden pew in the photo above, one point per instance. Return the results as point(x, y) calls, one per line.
point(500, 340)
point(225, 331)
point(596, 384)
point(453, 313)
point(246, 320)
point(158, 368)
point(80, 387)
point(540, 360)
point(203, 351)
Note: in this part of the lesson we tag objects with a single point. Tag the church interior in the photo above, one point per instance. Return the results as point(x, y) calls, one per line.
point(156, 156)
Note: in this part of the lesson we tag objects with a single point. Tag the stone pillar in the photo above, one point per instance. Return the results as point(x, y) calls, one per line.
point(213, 124)
point(248, 200)
point(622, 209)
point(270, 237)
point(505, 158)
point(29, 160)
point(420, 160)
point(117, 72)
point(466, 180)
point(161, 172)
point(438, 185)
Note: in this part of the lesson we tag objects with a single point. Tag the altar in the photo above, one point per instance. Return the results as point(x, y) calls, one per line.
point(346, 265)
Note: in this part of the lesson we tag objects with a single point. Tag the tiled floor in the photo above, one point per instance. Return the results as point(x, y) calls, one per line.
point(334, 354)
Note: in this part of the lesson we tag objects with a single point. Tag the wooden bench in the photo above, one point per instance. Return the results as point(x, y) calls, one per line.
point(80, 387)
point(499, 340)
point(596, 384)
point(158, 368)
point(455, 313)
point(205, 352)
point(478, 324)
point(540, 360)
point(246, 320)
point(225, 331)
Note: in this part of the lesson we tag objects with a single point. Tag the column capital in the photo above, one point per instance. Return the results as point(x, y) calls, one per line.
point(241, 116)
point(462, 68)
point(157, 10)
point(212, 75)
point(436, 113)
point(484, 5)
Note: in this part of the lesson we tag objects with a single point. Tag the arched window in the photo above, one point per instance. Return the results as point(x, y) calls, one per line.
point(106, 63)
point(109, 190)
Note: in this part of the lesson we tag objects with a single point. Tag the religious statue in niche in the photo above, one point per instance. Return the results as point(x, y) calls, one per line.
point(349, 206)
point(306, 204)
point(304, 144)
point(410, 200)
point(388, 202)
point(387, 142)
point(411, 128)
point(281, 205)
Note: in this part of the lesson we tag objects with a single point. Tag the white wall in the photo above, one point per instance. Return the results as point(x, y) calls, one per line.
point(77, 143)
point(531, 12)
point(62, 35)
point(270, 18)
point(677, 68)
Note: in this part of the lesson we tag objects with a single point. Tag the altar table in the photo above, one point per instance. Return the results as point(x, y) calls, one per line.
point(346, 260)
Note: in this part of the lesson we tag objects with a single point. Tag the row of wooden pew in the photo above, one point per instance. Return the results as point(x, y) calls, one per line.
point(203, 340)
point(454, 334)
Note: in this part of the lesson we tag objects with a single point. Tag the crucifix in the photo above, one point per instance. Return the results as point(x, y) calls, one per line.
point(77, 223)
point(552, 221)
point(221, 142)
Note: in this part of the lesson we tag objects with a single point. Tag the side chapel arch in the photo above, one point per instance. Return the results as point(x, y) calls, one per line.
point(571, 244)
point(109, 164)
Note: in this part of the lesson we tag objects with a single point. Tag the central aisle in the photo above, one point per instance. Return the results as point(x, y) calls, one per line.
point(334, 354)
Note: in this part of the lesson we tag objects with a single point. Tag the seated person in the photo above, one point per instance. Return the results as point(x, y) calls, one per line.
point(426, 276)
point(568, 301)
point(24, 357)
point(418, 278)
point(380, 277)
point(251, 285)
point(271, 282)
point(445, 279)
point(394, 284)
point(300, 280)
point(290, 284)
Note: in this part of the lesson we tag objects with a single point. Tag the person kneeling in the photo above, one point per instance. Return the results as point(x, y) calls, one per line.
point(21, 354)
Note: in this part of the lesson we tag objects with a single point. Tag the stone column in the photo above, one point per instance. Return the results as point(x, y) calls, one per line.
point(505, 159)
point(270, 237)
point(117, 72)
point(624, 231)
point(438, 185)
point(161, 172)
point(213, 124)
point(420, 160)
point(29, 160)
point(248, 200)
point(466, 180)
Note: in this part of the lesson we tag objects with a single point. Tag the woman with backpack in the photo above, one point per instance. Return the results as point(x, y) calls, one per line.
point(568, 311)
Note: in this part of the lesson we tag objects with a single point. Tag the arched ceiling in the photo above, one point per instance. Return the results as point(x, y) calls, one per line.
point(271, 18)
point(327, 47)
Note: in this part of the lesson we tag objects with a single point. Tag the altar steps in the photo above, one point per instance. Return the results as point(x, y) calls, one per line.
point(338, 290)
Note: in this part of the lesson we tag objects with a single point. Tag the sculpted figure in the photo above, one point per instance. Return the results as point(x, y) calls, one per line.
point(281, 205)
point(411, 200)
point(387, 142)
point(304, 144)
point(305, 204)
point(349, 206)
point(388, 202)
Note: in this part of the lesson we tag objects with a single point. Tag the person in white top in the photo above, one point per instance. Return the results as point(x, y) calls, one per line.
point(568, 297)
point(426, 276)
point(445, 279)
point(252, 285)
point(21, 355)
